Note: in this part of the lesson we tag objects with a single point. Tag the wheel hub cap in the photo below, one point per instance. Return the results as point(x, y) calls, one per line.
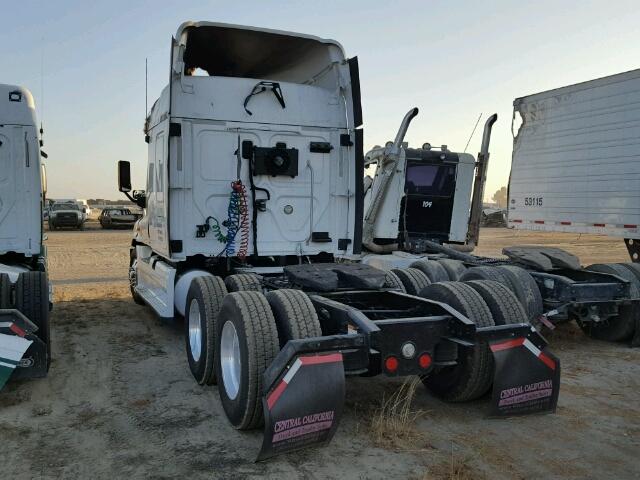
point(195, 330)
point(230, 360)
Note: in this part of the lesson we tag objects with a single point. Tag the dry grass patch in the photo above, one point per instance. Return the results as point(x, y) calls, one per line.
point(393, 423)
point(457, 467)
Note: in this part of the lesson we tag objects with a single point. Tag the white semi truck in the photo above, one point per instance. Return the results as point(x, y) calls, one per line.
point(24, 290)
point(253, 230)
point(422, 208)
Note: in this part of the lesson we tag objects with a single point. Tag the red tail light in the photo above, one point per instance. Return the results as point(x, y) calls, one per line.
point(391, 364)
point(424, 360)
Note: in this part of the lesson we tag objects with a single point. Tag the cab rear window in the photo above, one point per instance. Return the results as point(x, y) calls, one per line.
point(430, 179)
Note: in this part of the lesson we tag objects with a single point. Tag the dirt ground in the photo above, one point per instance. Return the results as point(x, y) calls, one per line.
point(119, 401)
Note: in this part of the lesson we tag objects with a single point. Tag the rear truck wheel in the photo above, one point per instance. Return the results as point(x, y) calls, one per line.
point(455, 268)
point(412, 279)
point(5, 291)
point(433, 270)
point(391, 280)
point(485, 273)
point(204, 301)
point(32, 299)
point(633, 268)
point(133, 277)
point(242, 282)
point(52, 226)
point(622, 326)
point(504, 305)
point(247, 344)
point(526, 289)
point(472, 376)
point(294, 315)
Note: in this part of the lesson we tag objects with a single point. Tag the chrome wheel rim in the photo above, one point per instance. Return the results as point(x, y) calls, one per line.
point(230, 360)
point(195, 330)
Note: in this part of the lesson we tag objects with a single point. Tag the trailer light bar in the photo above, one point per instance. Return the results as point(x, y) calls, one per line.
point(391, 364)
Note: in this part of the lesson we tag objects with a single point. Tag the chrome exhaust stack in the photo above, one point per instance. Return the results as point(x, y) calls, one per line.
point(475, 216)
point(387, 169)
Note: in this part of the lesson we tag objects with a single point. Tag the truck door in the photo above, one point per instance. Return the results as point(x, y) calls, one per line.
point(12, 153)
point(158, 176)
point(157, 189)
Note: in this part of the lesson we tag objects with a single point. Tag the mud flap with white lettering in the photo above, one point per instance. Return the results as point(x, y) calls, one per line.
point(16, 340)
point(303, 407)
point(527, 378)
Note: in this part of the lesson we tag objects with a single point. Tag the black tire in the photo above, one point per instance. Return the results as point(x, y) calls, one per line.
point(505, 307)
point(455, 268)
point(32, 299)
point(392, 280)
point(133, 277)
point(623, 326)
point(472, 376)
point(52, 226)
point(485, 273)
point(294, 315)
point(433, 270)
point(412, 279)
point(250, 316)
point(243, 282)
point(633, 268)
point(526, 289)
point(204, 299)
point(5, 291)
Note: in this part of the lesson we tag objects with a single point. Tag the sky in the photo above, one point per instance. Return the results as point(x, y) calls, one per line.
point(85, 64)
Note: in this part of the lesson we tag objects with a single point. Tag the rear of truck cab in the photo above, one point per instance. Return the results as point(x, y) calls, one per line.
point(269, 90)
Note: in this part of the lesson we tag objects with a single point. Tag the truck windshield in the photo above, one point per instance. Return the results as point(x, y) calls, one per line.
point(430, 179)
point(65, 206)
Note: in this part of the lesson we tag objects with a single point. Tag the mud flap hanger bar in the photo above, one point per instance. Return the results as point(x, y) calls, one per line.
point(261, 87)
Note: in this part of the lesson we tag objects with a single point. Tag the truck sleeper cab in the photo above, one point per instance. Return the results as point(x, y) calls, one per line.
point(252, 228)
point(24, 290)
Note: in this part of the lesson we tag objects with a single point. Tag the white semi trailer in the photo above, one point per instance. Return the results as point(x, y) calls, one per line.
point(24, 289)
point(576, 162)
point(252, 231)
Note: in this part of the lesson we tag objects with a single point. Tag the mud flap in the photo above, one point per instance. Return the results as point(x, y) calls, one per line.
point(16, 337)
point(527, 377)
point(304, 405)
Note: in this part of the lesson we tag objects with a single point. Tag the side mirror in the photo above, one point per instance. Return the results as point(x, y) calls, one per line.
point(124, 176)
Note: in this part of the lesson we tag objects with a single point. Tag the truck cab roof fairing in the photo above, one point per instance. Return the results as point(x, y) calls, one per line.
point(249, 52)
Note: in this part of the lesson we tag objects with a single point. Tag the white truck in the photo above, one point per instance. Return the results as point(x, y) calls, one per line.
point(409, 223)
point(253, 230)
point(83, 206)
point(66, 214)
point(24, 290)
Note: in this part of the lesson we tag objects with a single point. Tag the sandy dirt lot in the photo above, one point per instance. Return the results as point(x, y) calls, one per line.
point(119, 401)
